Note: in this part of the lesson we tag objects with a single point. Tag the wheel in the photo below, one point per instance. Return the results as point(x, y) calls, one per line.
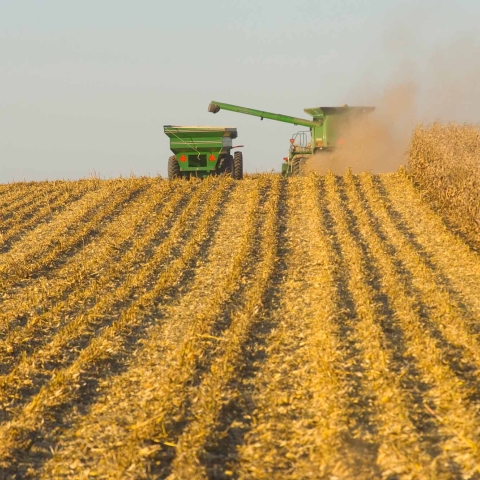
point(298, 165)
point(173, 168)
point(225, 165)
point(237, 173)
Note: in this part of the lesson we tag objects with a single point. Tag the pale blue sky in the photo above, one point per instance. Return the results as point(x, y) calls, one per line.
point(87, 86)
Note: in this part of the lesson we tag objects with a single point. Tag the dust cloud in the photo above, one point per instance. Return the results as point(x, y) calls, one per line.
point(443, 86)
point(376, 142)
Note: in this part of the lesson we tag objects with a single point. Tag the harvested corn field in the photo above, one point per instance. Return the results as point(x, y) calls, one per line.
point(315, 327)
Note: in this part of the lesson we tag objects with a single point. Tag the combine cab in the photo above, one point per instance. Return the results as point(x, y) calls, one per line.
point(326, 130)
point(202, 151)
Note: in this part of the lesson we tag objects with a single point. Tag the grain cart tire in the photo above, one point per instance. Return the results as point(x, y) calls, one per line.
point(228, 166)
point(224, 166)
point(237, 166)
point(173, 168)
point(220, 165)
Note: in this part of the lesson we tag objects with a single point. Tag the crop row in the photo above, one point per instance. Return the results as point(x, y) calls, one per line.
point(317, 326)
point(183, 337)
point(84, 327)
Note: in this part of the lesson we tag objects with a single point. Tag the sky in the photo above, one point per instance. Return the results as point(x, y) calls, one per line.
point(86, 87)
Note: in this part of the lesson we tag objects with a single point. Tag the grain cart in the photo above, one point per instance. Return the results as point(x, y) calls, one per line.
point(325, 134)
point(202, 151)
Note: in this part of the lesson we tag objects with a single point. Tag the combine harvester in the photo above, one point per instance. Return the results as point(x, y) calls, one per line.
point(202, 151)
point(327, 129)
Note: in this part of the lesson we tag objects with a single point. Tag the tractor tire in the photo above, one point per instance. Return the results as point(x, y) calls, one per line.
point(225, 165)
point(237, 172)
point(173, 168)
point(298, 165)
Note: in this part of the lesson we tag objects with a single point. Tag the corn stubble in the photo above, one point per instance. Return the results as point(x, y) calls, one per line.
point(315, 327)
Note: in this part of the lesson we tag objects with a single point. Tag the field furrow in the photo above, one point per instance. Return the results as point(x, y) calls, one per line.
point(451, 320)
point(298, 411)
point(453, 258)
point(83, 323)
point(47, 243)
point(93, 272)
point(74, 380)
point(42, 207)
point(21, 197)
point(338, 419)
point(176, 338)
point(211, 395)
point(7, 190)
point(400, 449)
point(448, 399)
point(316, 326)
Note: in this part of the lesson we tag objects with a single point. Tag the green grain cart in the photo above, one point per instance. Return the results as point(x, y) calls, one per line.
point(326, 130)
point(202, 151)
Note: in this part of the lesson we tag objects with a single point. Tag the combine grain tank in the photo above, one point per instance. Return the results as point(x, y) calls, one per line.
point(202, 151)
point(326, 130)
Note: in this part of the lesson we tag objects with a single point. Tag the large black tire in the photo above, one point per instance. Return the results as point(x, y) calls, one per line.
point(225, 165)
point(173, 168)
point(237, 172)
point(219, 169)
point(298, 165)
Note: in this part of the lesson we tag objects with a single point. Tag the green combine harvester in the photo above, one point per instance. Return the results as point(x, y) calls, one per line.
point(325, 134)
point(202, 151)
